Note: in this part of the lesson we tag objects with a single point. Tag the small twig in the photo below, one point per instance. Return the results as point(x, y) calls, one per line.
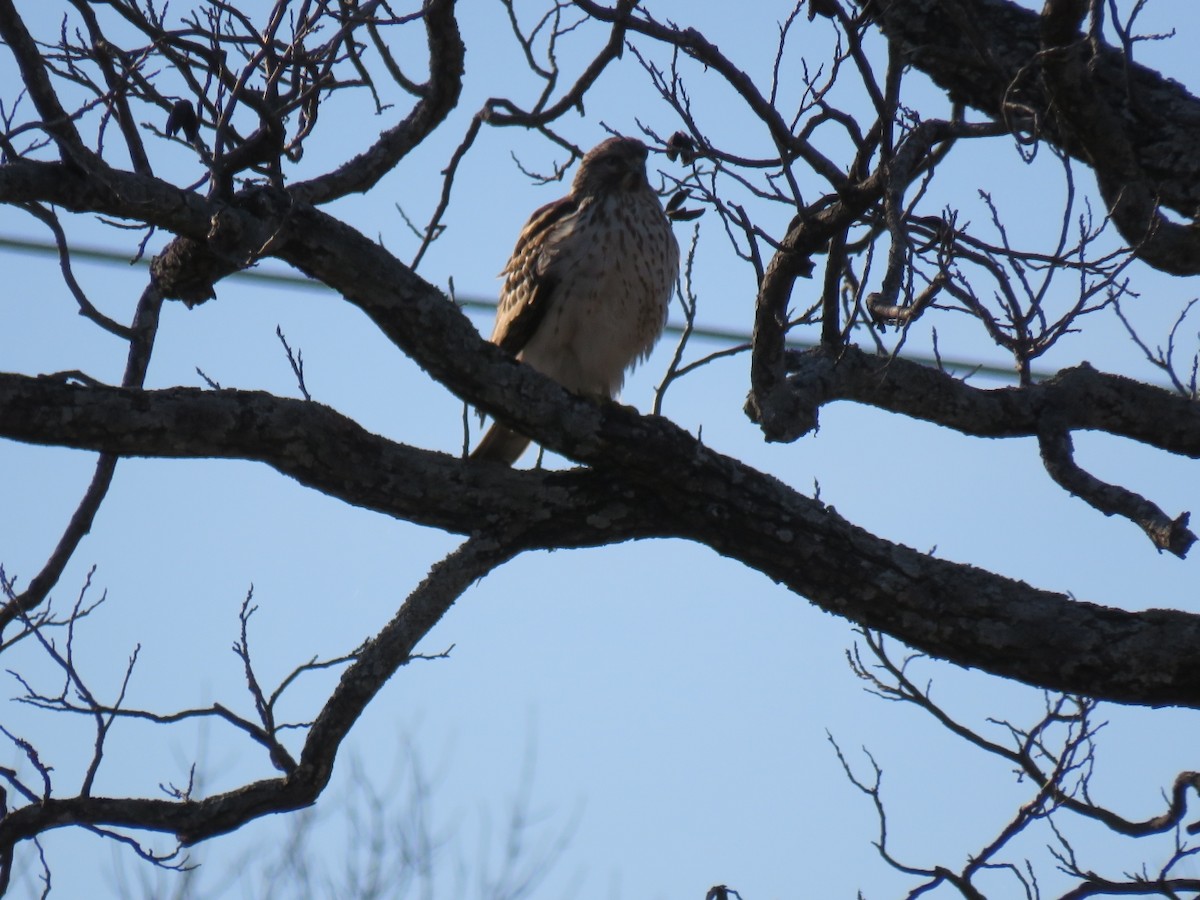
point(688, 301)
point(280, 757)
point(296, 361)
point(214, 385)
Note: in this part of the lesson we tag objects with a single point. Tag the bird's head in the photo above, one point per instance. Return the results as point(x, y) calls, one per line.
point(616, 164)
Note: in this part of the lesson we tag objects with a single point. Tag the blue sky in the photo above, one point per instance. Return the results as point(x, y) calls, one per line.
point(676, 706)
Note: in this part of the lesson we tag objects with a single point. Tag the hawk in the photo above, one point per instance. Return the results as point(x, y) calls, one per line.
point(587, 288)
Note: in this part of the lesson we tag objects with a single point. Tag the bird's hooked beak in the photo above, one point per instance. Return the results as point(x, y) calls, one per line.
point(635, 178)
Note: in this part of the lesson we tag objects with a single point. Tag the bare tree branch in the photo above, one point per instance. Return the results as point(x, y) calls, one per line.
point(1124, 120)
point(667, 487)
point(236, 94)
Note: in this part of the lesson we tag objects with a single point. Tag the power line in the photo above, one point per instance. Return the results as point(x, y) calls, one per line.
point(725, 336)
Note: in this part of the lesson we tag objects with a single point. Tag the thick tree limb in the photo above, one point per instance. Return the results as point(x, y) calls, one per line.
point(676, 487)
point(313, 444)
point(1075, 399)
point(1099, 124)
point(1134, 127)
point(1080, 399)
point(141, 198)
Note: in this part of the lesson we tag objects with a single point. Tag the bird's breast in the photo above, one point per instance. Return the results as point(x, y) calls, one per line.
point(614, 266)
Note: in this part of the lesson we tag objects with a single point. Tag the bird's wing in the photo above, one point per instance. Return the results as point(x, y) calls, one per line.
point(529, 278)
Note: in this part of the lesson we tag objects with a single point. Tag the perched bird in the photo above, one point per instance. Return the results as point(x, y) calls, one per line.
point(586, 291)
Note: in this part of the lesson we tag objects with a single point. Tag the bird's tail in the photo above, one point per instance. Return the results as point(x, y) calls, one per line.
point(501, 444)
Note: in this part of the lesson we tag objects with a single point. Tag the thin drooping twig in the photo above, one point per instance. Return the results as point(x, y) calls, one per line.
point(86, 307)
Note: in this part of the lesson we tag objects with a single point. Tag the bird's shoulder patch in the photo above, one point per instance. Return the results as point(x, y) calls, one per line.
point(528, 279)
